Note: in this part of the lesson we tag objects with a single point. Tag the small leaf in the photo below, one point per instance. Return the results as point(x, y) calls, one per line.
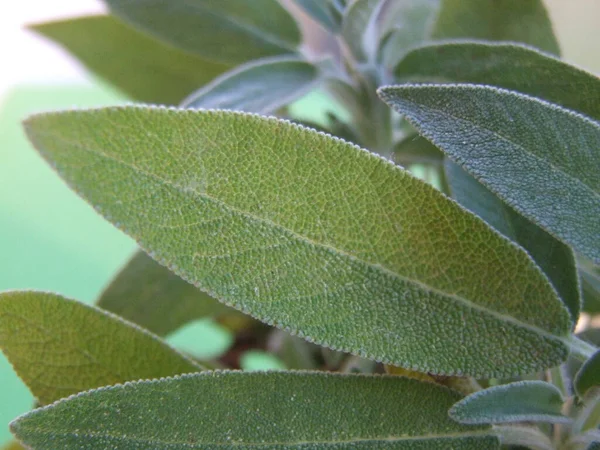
point(261, 86)
point(255, 410)
point(357, 28)
point(60, 347)
point(143, 68)
point(523, 401)
point(499, 20)
point(588, 376)
point(539, 158)
point(231, 32)
point(322, 11)
point(152, 296)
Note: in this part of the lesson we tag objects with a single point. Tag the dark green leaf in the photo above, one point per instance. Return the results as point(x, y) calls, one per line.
point(322, 11)
point(590, 286)
point(524, 21)
point(277, 410)
point(523, 401)
point(232, 31)
point(261, 86)
point(357, 29)
point(141, 67)
point(314, 235)
point(60, 347)
point(539, 158)
point(416, 150)
point(588, 376)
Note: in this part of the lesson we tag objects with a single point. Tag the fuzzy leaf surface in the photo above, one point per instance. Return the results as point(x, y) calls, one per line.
point(60, 347)
point(143, 68)
point(231, 32)
point(312, 234)
point(588, 376)
point(268, 410)
point(539, 158)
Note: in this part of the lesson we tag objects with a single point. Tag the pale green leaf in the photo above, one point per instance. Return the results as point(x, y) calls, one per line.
point(524, 21)
point(232, 31)
point(268, 410)
point(60, 347)
point(323, 11)
point(261, 86)
point(509, 66)
point(554, 258)
point(358, 28)
point(152, 296)
point(143, 68)
point(523, 401)
point(539, 158)
point(314, 235)
point(588, 376)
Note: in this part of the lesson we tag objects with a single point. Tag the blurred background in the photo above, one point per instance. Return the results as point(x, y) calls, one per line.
point(49, 238)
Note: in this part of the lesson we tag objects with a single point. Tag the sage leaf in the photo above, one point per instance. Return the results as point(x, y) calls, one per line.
point(230, 32)
point(590, 286)
point(554, 258)
point(156, 299)
point(313, 235)
point(261, 86)
point(358, 28)
point(522, 401)
point(510, 66)
point(139, 66)
point(270, 410)
point(539, 158)
point(323, 11)
point(60, 347)
point(588, 376)
point(499, 20)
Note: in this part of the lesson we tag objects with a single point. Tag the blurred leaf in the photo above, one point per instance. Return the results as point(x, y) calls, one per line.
point(261, 86)
point(60, 347)
point(588, 376)
point(249, 410)
point(523, 401)
point(323, 11)
point(231, 32)
point(13, 445)
point(539, 158)
point(141, 67)
point(357, 29)
point(590, 286)
point(293, 351)
point(416, 150)
point(312, 245)
point(524, 21)
point(152, 296)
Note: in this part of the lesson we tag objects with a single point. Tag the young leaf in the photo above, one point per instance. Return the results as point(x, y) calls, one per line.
point(60, 347)
point(539, 158)
point(261, 86)
point(357, 27)
point(523, 21)
point(231, 32)
point(523, 401)
point(274, 410)
point(588, 376)
point(143, 68)
point(509, 66)
point(153, 297)
point(323, 11)
point(554, 258)
point(314, 235)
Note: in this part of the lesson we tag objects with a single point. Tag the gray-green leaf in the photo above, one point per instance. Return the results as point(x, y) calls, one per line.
point(588, 376)
point(314, 235)
point(60, 347)
point(523, 401)
point(261, 86)
point(358, 28)
point(539, 158)
point(276, 410)
point(323, 11)
point(143, 68)
point(232, 31)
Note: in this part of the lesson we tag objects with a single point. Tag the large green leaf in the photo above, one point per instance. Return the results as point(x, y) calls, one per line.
point(60, 347)
point(153, 297)
point(277, 410)
point(232, 31)
point(523, 21)
point(261, 86)
point(554, 258)
point(312, 234)
point(143, 68)
point(540, 158)
point(509, 66)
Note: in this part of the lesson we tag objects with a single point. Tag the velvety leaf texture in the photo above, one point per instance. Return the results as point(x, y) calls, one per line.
point(267, 411)
point(261, 86)
point(232, 31)
point(523, 401)
point(588, 376)
point(60, 347)
point(141, 67)
point(312, 234)
point(152, 296)
point(539, 158)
